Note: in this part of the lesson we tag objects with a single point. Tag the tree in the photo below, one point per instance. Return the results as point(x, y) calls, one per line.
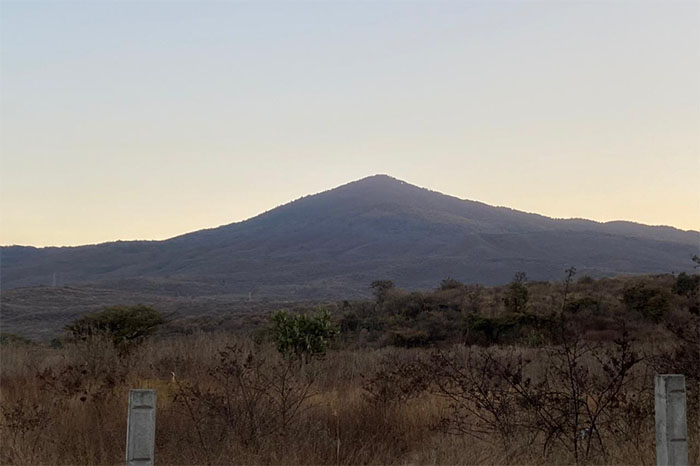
point(689, 287)
point(303, 336)
point(381, 289)
point(570, 272)
point(123, 325)
point(517, 295)
point(652, 303)
point(450, 283)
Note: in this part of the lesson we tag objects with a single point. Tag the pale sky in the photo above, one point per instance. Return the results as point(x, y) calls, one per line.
point(145, 120)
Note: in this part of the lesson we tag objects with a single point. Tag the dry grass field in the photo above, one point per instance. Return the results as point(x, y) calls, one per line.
point(235, 399)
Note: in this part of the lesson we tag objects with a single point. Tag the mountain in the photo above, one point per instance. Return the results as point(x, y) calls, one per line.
point(334, 244)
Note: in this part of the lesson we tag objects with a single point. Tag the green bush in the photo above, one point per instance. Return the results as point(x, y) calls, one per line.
point(530, 329)
point(303, 336)
point(491, 329)
point(652, 303)
point(123, 325)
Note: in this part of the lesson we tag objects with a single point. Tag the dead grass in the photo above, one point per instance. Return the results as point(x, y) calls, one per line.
point(77, 413)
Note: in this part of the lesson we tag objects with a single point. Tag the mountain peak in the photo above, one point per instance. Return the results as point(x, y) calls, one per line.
point(379, 177)
point(380, 184)
point(375, 188)
point(378, 180)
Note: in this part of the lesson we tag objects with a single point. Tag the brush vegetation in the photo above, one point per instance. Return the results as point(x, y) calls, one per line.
point(527, 373)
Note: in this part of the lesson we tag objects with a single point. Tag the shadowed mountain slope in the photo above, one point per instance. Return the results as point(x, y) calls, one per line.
point(333, 244)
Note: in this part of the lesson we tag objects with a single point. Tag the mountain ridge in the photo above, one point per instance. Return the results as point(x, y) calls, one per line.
point(343, 238)
point(383, 178)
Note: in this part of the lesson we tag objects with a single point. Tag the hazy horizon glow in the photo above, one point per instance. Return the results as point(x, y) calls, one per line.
point(126, 120)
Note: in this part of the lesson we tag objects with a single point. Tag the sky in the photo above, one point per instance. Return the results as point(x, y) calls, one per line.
point(145, 120)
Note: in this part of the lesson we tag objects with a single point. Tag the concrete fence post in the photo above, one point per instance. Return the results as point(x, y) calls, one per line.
point(671, 428)
point(141, 428)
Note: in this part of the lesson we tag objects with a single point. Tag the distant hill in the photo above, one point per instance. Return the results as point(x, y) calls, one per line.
point(333, 244)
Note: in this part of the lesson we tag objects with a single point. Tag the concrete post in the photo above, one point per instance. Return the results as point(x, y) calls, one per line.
point(141, 428)
point(671, 429)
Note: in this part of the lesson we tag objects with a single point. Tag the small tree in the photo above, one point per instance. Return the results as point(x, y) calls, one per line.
point(517, 295)
point(570, 272)
point(689, 287)
point(381, 289)
point(303, 336)
point(450, 283)
point(123, 325)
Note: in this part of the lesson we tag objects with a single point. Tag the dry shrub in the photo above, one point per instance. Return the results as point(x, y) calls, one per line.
point(400, 378)
point(249, 395)
point(23, 425)
point(573, 403)
point(250, 406)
